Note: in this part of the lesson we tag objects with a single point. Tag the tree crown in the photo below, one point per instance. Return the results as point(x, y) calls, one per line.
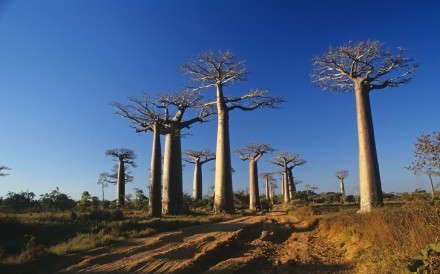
point(427, 154)
point(368, 61)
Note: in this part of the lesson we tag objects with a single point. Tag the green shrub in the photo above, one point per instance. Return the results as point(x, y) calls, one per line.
point(428, 261)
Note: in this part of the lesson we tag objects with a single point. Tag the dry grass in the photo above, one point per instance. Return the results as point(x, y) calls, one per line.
point(384, 240)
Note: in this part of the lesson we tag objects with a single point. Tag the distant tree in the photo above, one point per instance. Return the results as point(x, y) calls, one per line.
point(124, 157)
point(252, 153)
point(341, 175)
point(141, 201)
point(360, 68)
point(2, 169)
point(56, 200)
point(85, 201)
point(269, 185)
point(19, 201)
point(427, 157)
point(217, 70)
point(198, 158)
point(288, 161)
point(103, 181)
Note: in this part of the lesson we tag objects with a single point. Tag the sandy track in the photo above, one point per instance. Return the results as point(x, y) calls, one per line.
point(268, 243)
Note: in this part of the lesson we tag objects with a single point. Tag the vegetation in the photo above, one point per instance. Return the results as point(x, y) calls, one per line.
point(427, 157)
point(360, 68)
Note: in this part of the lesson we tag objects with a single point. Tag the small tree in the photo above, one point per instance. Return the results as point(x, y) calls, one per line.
point(124, 157)
point(341, 175)
point(198, 158)
point(217, 70)
point(103, 181)
point(252, 153)
point(2, 169)
point(360, 68)
point(427, 157)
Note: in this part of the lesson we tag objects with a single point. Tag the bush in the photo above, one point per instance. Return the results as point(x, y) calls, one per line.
point(428, 261)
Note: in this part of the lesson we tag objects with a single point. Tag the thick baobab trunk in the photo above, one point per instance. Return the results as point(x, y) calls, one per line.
point(172, 182)
point(268, 190)
point(432, 187)
point(224, 196)
point(342, 191)
point(369, 177)
point(291, 183)
point(254, 194)
point(155, 177)
point(197, 182)
point(286, 184)
point(121, 183)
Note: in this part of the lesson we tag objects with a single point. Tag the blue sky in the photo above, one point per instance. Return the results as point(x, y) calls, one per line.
point(63, 62)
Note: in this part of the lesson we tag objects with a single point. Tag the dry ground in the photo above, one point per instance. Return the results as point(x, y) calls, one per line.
point(273, 242)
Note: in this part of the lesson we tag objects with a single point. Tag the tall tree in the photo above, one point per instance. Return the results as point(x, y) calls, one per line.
point(124, 157)
point(2, 169)
point(341, 175)
point(148, 115)
point(288, 161)
point(360, 68)
point(172, 181)
point(427, 157)
point(252, 153)
point(217, 70)
point(198, 158)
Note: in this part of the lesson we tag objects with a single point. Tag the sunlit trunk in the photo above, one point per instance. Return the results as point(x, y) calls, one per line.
point(286, 184)
point(155, 203)
point(253, 184)
point(432, 187)
point(342, 191)
point(223, 200)
point(121, 183)
point(172, 185)
point(291, 183)
point(268, 189)
point(197, 182)
point(369, 176)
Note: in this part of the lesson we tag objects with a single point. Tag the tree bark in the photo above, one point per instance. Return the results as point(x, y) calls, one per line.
point(254, 194)
point(286, 184)
point(121, 183)
point(172, 200)
point(432, 187)
point(155, 203)
point(342, 191)
point(268, 190)
point(291, 183)
point(224, 199)
point(369, 177)
point(197, 182)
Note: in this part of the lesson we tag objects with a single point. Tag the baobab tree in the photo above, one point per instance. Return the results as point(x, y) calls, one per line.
point(198, 158)
point(341, 175)
point(427, 157)
point(269, 185)
point(2, 169)
point(172, 181)
point(124, 157)
point(146, 115)
point(217, 70)
point(288, 161)
point(154, 115)
point(360, 68)
point(252, 153)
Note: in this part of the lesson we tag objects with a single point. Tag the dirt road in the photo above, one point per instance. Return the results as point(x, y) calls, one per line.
point(273, 242)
